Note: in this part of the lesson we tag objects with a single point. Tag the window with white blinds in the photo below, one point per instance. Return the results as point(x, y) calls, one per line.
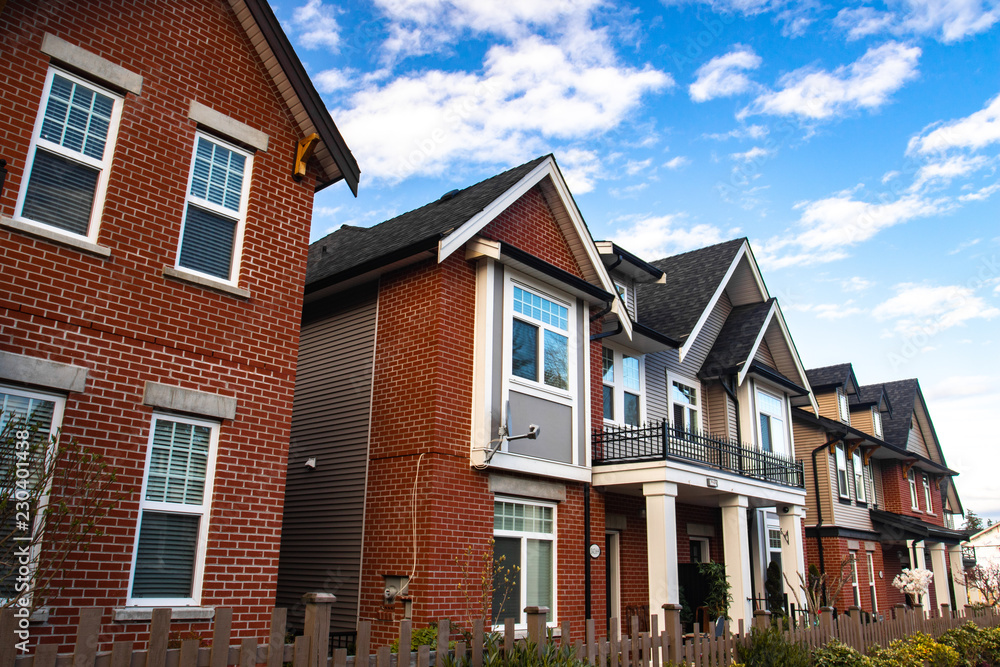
point(66, 171)
point(174, 509)
point(524, 538)
point(215, 209)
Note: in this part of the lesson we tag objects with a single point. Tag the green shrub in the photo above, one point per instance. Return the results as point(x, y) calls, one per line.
point(769, 648)
point(420, 637)
point(914, 651)
point(839, 654)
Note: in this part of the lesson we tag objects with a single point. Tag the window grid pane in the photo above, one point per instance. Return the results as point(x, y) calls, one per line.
point(178, 463)
point(522, 518)
point(685, 394)
point(541, 309)
point(608, 365)
point(630, 371)
point(77, 118)
point(217, 175)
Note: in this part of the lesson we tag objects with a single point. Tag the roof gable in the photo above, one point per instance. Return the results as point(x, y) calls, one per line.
point(908, 402)
point(296, 89)
point(837, 375)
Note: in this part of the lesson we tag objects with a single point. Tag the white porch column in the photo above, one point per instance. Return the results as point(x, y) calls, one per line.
point(917, 560)
point(736, 548)
point(793, 561)
point(958, 574)
point(661, 545)
point(940, 569)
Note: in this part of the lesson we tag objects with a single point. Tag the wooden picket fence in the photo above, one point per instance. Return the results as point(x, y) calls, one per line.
point(654, 648)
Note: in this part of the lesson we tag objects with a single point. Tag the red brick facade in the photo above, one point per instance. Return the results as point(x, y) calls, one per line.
point(421, 415)
point(127, 323)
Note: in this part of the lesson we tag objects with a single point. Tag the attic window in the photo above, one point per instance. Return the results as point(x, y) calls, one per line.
point(877, 422)
point(843, 406)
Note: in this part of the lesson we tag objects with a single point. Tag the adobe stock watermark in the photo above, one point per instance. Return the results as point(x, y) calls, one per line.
point(916, 341)
point(21, 559)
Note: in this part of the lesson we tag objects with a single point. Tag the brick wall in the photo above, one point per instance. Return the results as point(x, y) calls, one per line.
point(421, 407)
point(124, 321)
point(835, 549)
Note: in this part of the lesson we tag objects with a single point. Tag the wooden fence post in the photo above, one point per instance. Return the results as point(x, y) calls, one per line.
point(672, 629)
point(761, 619)
point(317, 626)
point(536, 625)
point(826, 624)
point(945, 610)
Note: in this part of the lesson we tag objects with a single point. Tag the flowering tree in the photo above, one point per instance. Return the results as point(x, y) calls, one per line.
point(985, 578)
point(913, 582)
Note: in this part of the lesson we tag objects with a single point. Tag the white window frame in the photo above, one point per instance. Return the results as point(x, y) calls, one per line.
point(928, 499)
point(239, 216)
point(843, 406)
point(538, 387)
point(858, 468)
point(855, 583)
point(877, 423)
point(524, 536)
point(103, 165)
point(204, 511)
point(706, 554)
point(871, 581)
point(780, 416)
point(38, 520)
point(688, 382)
point(912, 479)
point(617, 385)
point(840, 454)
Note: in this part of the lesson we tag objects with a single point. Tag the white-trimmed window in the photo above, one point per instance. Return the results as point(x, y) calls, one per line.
point(774, 545)
point(541, 337)
point(843, 406)
point(169, 556)
point(871, 582)
point(524, 535)
point(685, 406)
point(842, 488)
point(622, 377)
point(215, 209)
point(69, 160)
point(855, 584)
point(860, 492)
point(877, 422)
point(771, 422)
point(912, 479)
point(927, 494)
point(700, 551)
point(36, 417)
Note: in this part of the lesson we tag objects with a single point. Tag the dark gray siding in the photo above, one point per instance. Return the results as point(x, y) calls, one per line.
point(324, 507)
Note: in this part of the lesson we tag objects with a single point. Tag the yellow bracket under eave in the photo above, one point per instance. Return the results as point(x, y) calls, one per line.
point(302, 155)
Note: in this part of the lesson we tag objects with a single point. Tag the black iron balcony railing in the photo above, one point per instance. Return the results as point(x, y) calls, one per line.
point(662, 441)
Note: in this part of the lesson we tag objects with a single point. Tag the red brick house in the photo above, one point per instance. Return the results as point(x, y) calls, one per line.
point(880, 493)
point(161, 164)
point(435, 343)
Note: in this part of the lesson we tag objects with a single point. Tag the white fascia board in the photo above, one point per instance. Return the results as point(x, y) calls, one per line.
point(452, 242)
point(756, 345)
point(795, 357)
point(711, 304)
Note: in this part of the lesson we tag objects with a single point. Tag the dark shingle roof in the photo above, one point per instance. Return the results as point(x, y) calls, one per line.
point(352, 250)
point(903, 396)
point(732, 346)
point(867, 395)
point(828, 375)
point(692, 278)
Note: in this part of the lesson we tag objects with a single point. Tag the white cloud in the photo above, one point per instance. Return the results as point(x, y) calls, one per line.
point(723, 75)
point(633, 167)
point(748, 132)
point(795, 16)
point(829, 311)
point(754, 153)
point(963, 246)
point(580, 169)
point(951, 20)
point(945, 171)
point(889, 175)
point(529, 94)
point(855, 284)
point(332, 80)
point(316, 26)
point(661, 236)
point(981, 194)
point(960, 386)
point(677, 162)
point(927, 309)
point(974, 132)
point(864, 84)
point(860, 22)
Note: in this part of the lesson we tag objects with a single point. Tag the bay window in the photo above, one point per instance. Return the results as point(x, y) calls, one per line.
point(524, 538)
point(174, 506)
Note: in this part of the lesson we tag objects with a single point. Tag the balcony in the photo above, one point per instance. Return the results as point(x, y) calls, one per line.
point(660, 442)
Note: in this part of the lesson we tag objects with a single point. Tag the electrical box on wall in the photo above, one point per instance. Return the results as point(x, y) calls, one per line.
point(395, 584)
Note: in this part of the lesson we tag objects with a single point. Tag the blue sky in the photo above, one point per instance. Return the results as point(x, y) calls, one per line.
point(856, 146)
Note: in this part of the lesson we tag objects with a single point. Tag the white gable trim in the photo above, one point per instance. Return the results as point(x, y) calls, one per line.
point(547, 168)
point(756, 345)
point(744, 250)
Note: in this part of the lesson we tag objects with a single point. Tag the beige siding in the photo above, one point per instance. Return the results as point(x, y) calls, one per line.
point(850, 515)
point(807, 439)
point(827, 402)
point(764, 355)
point(862, 420)
point(742, 288)
point(718, 410)
point(915, 442)
point(324, 507)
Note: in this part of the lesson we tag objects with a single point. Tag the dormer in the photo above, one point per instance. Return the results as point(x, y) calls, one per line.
point(834, 387)
point(869, 406)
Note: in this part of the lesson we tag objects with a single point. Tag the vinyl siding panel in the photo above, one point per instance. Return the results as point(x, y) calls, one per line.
point(862, 420)
point(324, 507)
point(718, 411)
point(806, 440)
point(850, 515)
point(764, 355)
point(915, 441)
point(827, 402)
